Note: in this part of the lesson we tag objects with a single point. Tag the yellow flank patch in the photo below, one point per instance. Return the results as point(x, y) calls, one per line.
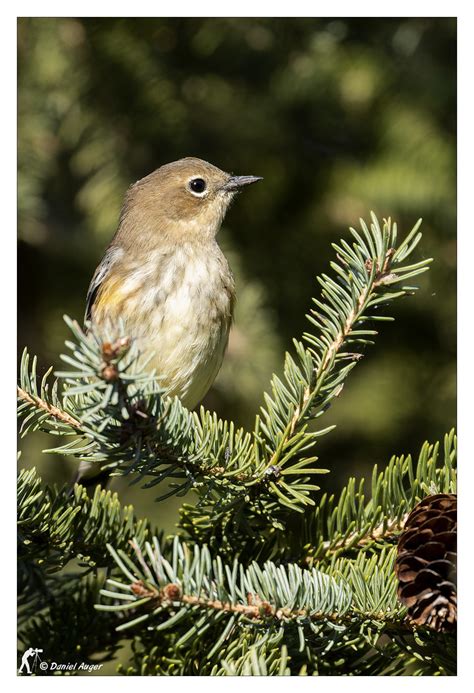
point(109, 298)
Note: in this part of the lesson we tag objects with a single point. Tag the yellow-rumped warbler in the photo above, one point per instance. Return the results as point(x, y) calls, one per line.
point(166, 278)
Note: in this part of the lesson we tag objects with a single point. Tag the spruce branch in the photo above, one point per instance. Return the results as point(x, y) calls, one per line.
point(194, 602)
point(351, 523)
point(350, 300)
point(192, 581)
point(185, 593)
point(126, 425)
point(54, 411)
point(42, 409)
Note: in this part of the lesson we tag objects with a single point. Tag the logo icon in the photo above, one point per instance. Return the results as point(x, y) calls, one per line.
point(31, 660)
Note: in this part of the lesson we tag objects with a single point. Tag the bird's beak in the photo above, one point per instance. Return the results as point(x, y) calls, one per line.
point(236, 182)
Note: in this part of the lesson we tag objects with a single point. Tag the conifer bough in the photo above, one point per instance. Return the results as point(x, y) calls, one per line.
point(259, 579)
point(114, 412)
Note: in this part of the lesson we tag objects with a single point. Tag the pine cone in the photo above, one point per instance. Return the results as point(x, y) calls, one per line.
point(426, 562)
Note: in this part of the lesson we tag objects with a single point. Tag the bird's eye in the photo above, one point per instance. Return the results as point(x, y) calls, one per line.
point(197, 185)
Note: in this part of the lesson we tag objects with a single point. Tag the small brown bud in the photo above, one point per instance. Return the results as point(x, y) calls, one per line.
point(110, 373)
point(265, 609)
point(172, 592)
point(107, 351)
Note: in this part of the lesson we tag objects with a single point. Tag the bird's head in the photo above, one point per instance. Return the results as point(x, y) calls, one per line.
point(181, 201)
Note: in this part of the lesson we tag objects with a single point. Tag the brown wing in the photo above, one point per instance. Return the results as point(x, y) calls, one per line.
point(98, 279)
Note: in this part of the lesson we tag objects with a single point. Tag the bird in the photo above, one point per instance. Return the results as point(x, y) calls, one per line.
point(165, 277)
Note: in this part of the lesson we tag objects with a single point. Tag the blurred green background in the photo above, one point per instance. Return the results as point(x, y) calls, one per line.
point(340, 116)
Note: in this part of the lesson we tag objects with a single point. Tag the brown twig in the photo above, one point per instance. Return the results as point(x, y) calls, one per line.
point(58, 414)
point(255, 609)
